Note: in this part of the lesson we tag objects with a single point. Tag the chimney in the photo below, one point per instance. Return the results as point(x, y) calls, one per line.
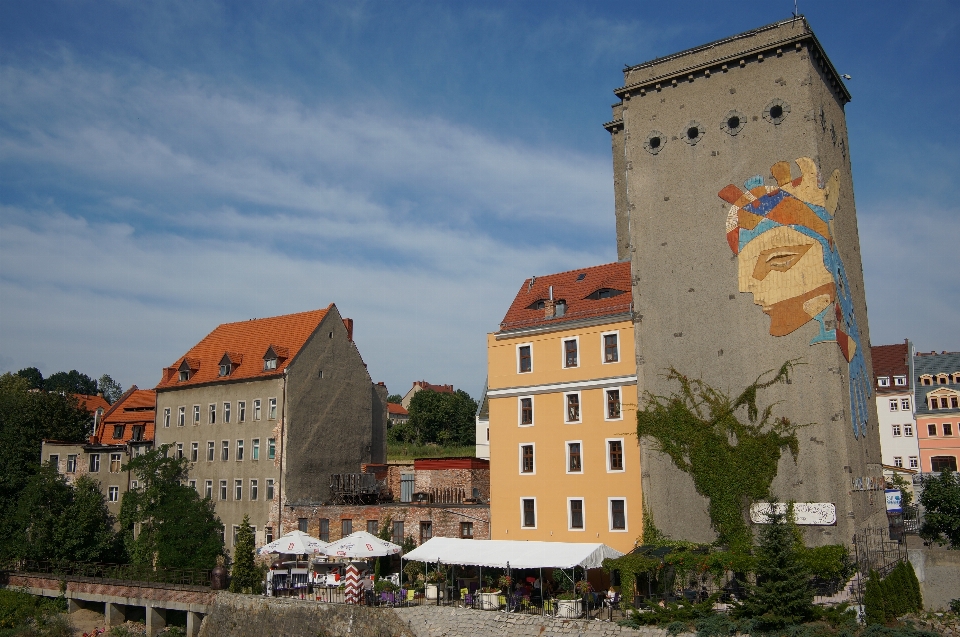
point(348, 323)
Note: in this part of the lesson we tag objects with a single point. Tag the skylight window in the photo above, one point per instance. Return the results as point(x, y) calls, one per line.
point(581, 276)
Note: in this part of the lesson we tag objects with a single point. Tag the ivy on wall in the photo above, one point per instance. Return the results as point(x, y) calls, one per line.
point(732, 460)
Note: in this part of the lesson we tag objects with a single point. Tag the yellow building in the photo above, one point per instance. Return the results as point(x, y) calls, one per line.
point(562, 391)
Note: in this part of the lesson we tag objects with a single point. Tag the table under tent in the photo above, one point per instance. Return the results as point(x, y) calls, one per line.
point(511, 556)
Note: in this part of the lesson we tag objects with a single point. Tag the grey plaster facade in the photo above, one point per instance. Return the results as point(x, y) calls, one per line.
point(329, 418)
point(689, 312)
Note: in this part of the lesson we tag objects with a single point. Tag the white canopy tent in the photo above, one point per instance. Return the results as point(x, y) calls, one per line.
point(512, 553)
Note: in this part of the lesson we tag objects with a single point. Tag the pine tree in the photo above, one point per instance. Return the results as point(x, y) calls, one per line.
point(916, 596)
point(873, 601)
point(782, 595)
point(244, 577)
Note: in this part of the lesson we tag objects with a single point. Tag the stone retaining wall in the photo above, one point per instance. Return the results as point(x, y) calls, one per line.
point(164, 596)
point(253, 616)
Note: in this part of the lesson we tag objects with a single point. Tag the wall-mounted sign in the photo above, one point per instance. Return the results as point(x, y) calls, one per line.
point(807, 513)
point(894, 501)
point(868, 483)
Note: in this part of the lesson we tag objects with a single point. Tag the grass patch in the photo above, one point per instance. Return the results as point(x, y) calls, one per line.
point(411, 451)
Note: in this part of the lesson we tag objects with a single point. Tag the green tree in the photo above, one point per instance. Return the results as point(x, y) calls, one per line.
point(26, 419)
point(906, 494)
point(394, 398)
point(111, 389)
point(55, 521)
point(245, 577)
point(941, 503)
point(178, 529)
point(873, 600)
point(33, 377)
point(732, 462)
point(782, 595)
point(72, 382)
point(442, 418)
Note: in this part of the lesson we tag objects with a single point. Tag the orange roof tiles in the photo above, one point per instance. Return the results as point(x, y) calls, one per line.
point(248, 340)
point(135, 407)
point(443, 389)
point(92, 403)
point(396, 409)
point(574, 289)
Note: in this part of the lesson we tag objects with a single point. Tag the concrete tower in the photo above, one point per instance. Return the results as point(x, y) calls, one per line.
point(734, 203)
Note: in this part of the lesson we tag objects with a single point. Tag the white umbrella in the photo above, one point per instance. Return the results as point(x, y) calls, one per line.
point(361, 544)
point(294, 543)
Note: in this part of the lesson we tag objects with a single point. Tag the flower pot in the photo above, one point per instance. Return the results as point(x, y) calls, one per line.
point(569, 608)
point(489, 601)
point(431, 591)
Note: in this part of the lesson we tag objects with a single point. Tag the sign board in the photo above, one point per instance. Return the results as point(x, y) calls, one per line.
point(893, 501)
point(806, 513)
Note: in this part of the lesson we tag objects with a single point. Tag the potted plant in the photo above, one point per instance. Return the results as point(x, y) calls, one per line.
point(434, 580)
point(569, 605)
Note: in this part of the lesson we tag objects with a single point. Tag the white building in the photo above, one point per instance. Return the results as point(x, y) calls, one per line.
point(483, 426)
point(894, 384)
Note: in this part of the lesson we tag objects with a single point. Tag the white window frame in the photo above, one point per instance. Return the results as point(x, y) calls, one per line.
point(533, 414)
point(603, 356)
point(536, 516)
point(271, 408)
point(626, 517)
point(224, 491)
point(166, 417)
point(208, 489)
point(211, 450)
point(895, 430)
point(71, 463)
point(583, 513)
point(254, 490)
point(269, 492)
point(179, 450)
point(900, 381)
point(113, 493)
point(181, 416)
point(563, 352)
point(196, 414)
point(238, 490)
point(241, 411)
point(914, 462)
point(194, 452)
point(226, 412)
point(898, 461)
point(566, 410)
point(606, 414)
point(908, 430)
point(883, 381)
point(255, 449)
point(192, 484)
point(904, 404)
point(239, 453)
point(894, 404)
point(623, 452)
point(256, 409)
point(518, 346)
point(566, 448)
point(118, 459)
point(212, 414)
point(533, 447)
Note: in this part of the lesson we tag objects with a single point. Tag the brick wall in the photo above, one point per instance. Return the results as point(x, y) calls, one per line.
point(437, 481)
point(445, 519)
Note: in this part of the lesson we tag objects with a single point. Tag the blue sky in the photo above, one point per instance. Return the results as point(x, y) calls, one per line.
point(166, 167)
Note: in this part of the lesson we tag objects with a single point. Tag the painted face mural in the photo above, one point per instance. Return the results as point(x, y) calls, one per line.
point(787, 258)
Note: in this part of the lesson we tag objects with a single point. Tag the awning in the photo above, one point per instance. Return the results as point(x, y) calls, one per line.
point(520, 554)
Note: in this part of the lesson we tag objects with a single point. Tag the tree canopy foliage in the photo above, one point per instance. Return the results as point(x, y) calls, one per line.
point(394, 398)
point(72, 382)
point(57, 521)
point(177, 528)
point(732, 461)
point(438, 417)
point(245, 576)
point(26, 419)
point(941, 503)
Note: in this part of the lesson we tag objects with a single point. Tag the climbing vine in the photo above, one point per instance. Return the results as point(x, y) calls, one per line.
point(732, 461)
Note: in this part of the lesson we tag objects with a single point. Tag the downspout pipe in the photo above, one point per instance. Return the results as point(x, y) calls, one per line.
point(283, 423)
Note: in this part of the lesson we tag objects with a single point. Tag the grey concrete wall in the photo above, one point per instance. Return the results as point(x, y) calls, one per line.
point(330, 418)
point(690, 313)
point(938, 570)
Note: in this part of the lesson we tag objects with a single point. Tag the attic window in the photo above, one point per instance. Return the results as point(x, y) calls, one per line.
point(225, 369)
point(269, 363)
point(581, 276)
point(900, 381)
point(537, 305)
point(883, 381)
point(184, 374)
point(185, 371)
point(605, 293)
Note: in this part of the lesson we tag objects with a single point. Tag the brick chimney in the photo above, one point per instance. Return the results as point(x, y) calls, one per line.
point(348, 323)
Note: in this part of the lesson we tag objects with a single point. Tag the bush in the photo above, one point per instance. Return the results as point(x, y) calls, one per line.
point(893, 596)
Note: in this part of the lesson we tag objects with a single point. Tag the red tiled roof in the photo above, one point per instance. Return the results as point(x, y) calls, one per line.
point(396, 409)
point(889, 360)
point(135, 407)
point(444, 389)
point(567, 287)
point(249, 340)
point(92, 403)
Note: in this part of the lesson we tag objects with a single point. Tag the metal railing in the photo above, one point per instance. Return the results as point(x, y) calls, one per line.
point(114, 573)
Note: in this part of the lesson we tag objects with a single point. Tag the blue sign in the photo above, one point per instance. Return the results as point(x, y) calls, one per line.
point(893, 501)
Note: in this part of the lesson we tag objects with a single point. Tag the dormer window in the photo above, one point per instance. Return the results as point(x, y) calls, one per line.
point(229, 362)
point(185, 371)
point(900, 381)
point(224, 369)
point(604, 293)
point(537, 305)
point(942, 379)
point(273, 357)
point(883, 381)
point(926, 379)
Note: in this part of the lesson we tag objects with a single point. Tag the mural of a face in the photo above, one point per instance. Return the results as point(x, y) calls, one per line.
point(786, 257)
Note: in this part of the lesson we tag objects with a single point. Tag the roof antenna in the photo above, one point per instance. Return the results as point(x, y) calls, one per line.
point(533, 280)
point(795, 13)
